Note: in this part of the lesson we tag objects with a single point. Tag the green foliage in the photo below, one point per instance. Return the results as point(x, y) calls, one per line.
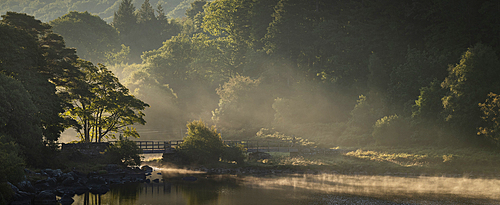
point(103, 106)
point(360, 125)
point(118, 57)
point(427, 118)
point(419, 70)
point(12, 169)
point(468, 84)
point(145, 13)
point(234, 153)
point(202, 144)
point(491, 117)
point(125, 152)
point(271, 134)
point(124, 19)
point(89, 34)
point(18, 119)
point(243, 104)
point(196, 8)
point(391, 131)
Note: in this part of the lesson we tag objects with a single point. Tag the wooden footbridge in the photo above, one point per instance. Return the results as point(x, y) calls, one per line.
point(151, 147)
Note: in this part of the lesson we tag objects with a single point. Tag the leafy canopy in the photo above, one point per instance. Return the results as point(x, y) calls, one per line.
point(102, 106)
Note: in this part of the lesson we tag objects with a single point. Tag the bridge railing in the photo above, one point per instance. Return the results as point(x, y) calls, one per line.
point(157, 146)
point(249, 145)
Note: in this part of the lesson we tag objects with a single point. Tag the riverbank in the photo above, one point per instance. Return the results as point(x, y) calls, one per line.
point(410, 162)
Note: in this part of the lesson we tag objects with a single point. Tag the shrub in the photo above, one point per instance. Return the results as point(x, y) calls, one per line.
point(11, 169)
point(202, 144)
point(125, 152)
point(234, 153)
point(391, 130)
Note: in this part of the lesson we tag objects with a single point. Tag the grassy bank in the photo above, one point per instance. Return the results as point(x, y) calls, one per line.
point(375, 160)
point(471, 162)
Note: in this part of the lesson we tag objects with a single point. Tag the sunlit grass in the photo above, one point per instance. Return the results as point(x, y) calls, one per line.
point(395, 161)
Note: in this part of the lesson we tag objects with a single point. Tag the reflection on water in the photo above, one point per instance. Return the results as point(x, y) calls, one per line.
point(300, 189)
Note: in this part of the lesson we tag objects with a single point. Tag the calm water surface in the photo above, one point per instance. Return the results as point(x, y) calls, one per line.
point(298, 189)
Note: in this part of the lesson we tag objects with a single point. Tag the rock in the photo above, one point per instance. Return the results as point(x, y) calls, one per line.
point(14, 188)
point(66, 200)
point(102, 189)
point(42, 185)
point(147, 168)
point(26, 186)
point(45, 197)
point(96, 180)
point(51, 173)
point(68, 181)
point(52, 181)
point(22, 201)
point(190, 178)
point(65, 191)
point(80, 189)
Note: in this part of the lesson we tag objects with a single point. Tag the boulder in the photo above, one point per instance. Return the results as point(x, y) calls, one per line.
point(51, 173)
point(14, 188)
point(98, 180)
point(99, 189)
point(52, 181)
point(45, 197)
point(66, 200)
point(69, 181)
point(147, 168)
point(190, 178)
point(26, 186)
point(80, 189)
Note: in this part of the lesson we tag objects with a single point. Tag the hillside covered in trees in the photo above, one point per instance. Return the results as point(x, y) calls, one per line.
point(348, 73)
point(48, 10)
point(336, 72)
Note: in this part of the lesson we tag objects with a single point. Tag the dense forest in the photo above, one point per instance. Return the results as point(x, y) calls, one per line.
point(349, 73)
point(47, 10)
point(333, 72)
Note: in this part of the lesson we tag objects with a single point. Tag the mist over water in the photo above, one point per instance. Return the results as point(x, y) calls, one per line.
point(388, 187)
point(300, 189)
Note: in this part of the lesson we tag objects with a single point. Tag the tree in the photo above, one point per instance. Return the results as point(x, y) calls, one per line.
point(146, 13)
point(19, 121)
point(244, 106)
point(124, 20)
point(102, 106)
point(468, 84)
point(391, 130)
point(202, 144)
point(491, 118)
point(196, 7)
point(89, 34)
point(126, 152)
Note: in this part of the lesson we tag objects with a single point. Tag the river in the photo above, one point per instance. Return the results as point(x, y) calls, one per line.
point(176, 186)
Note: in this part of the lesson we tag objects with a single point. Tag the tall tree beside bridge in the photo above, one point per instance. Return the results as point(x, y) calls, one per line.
point(102, 106)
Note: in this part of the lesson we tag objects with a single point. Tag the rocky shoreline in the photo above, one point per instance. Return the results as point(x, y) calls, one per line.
point(55, 183)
